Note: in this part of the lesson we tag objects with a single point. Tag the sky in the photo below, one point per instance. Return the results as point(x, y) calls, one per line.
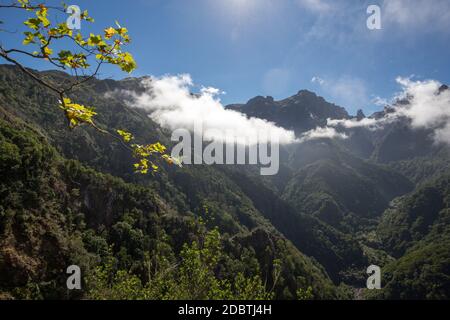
point(247, 48)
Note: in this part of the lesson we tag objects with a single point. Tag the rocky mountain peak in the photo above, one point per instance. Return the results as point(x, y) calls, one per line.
point(360, 115)
point(261, 100)
point(443, 88)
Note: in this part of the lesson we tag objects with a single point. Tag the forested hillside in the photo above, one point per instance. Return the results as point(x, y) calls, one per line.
point(415, 230)
point(57, 212)
point(336, 207)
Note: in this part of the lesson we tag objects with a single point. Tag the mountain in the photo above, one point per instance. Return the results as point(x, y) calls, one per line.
point(301, 112)
point(348, 185)
point(412, 218)
point(71, 197)
point(82, 205)
point(342, 189)
point(396, 142)
point(415, 229)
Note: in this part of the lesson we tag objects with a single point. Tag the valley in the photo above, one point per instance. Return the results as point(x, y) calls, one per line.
point(334, 208)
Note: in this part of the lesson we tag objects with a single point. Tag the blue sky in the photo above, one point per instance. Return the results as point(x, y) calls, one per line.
point(277, 47)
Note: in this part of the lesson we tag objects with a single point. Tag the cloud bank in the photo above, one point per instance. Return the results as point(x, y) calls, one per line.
point(427, 107)
point(169, 102)
point(322, 133)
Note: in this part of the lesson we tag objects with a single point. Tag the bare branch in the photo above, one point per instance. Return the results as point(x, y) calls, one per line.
point(52, 61)
point(29, 7)
point(5, 56)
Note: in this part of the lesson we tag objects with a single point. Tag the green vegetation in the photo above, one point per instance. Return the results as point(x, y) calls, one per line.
point(72, 197)
point(416, 231)
point(193, 278)
point(129, 242)
point(83, 57)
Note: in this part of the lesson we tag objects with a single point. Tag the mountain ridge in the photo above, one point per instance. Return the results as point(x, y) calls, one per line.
point(327, 235)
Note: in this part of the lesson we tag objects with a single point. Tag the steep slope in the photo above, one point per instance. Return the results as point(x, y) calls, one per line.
point(340, 189)
point(422, 273)
point(416, 230)
point(336, 251)
point(411, 151)
point(424, 168)
point(56, 212)
point(411, 218)
point(191, 192)
point(231, 206)
point(317, 216)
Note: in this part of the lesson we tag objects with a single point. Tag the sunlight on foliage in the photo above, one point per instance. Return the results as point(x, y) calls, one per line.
point(76, 114)
point(127, 137)
point(192, 278)
point(105, 49)
point(84, 60)
point(305, 294)
point(144, 152)
point(88, 51)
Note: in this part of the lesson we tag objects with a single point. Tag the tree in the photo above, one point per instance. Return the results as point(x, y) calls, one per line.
point(82, 57)
point(192, 278)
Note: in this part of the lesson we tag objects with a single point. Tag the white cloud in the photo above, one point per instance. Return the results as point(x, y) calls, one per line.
point(318, 80)
point(443, 134)
point(169, 102)
point(211, 91)
point(417, 15)
point(354, 123)
point(428, 108)
point(322, 133)
point(381, 102)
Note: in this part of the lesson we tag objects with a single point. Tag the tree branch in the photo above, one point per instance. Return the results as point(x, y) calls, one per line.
point(5, 56)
